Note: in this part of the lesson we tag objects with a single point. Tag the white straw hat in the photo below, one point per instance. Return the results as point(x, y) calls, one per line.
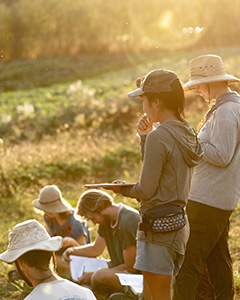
point(50, 200)
point(206, 69)
point(27, 236)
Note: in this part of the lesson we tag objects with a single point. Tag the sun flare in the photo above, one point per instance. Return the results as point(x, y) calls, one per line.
point(166, 19)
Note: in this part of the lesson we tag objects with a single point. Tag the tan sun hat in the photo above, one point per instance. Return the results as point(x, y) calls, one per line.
point(206, 69)
point(50, 200)
point(27, 236)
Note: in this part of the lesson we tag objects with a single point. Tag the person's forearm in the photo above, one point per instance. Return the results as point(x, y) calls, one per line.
point(219, 156)
point(124, 267)
point(69, 242)
point(85, 250)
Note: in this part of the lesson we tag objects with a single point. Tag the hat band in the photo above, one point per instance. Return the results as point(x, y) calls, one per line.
point(207, 74)
point(50, 202)
point(199, 75)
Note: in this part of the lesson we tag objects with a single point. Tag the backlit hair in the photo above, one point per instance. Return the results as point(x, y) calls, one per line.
point(93, 201)
point(174, 100)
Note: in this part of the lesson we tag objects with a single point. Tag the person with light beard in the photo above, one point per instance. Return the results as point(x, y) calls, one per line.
point(117, 231)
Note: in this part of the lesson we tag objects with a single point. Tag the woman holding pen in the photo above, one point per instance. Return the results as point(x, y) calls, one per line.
point(169, 154)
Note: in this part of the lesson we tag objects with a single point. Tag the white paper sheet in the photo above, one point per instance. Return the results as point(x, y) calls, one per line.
point(135, 281)
point(80, 264)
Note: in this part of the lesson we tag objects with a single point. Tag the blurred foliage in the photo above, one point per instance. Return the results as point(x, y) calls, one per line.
point(106, 166)
point(82, 130)
point(17, 290)
point(42, 72)
point(29, 115)
point(37, 28)
point(97, 104)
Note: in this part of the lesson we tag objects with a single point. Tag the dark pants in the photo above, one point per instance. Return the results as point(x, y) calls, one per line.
point(207, 245)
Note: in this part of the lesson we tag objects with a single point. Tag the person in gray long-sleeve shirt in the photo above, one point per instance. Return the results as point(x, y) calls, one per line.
point(215, 188)
point(170, 153)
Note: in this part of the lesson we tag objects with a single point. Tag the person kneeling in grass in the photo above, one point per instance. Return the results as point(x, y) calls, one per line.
point(116, 231)
point(61, 220)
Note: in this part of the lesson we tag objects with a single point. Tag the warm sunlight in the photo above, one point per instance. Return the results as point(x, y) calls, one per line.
point(166, 19)
point(191, 30)
point(68, 69)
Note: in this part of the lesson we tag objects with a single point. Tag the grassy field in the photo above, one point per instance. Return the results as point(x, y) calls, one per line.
point(69, 122)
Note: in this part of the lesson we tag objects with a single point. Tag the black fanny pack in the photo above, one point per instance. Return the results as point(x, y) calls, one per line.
point(163, 218)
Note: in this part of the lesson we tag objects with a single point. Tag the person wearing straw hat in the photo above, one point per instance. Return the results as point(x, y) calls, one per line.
point(31, 249)
point(215, 189)
point(61, 220)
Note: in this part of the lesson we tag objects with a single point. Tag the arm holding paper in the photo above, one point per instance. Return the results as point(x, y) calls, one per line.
point(106, 279)
point(103, 275)
point(129, 255)
point(117, 231)
point(90, 250)
point(100, 271)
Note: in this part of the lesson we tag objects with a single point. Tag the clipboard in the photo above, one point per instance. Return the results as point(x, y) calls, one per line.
point(103, 185)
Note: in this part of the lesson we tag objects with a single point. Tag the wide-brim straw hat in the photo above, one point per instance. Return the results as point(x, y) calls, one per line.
point(27, 236)
point(206, 69)
point(50, 200)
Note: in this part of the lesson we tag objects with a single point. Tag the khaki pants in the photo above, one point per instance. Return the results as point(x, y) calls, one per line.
point(207, 245)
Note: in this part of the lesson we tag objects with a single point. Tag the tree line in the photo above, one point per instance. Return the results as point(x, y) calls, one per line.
point(30, 29)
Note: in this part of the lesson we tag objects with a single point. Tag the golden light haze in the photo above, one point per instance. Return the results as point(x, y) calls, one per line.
point(30, 29)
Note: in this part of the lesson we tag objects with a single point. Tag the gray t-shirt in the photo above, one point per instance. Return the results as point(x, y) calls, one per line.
point(123, 235)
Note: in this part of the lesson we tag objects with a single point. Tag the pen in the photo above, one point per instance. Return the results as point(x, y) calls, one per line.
point(143, 115)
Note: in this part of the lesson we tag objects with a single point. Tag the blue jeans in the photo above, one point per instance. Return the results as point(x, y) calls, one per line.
point(207, 245)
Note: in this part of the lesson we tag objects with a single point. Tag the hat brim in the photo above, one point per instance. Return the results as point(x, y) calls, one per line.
point(59, 207)
point(136, 93)
point(52, 244)
point(192, 83)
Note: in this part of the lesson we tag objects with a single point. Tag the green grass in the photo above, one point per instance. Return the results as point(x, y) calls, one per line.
point(69, 122)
